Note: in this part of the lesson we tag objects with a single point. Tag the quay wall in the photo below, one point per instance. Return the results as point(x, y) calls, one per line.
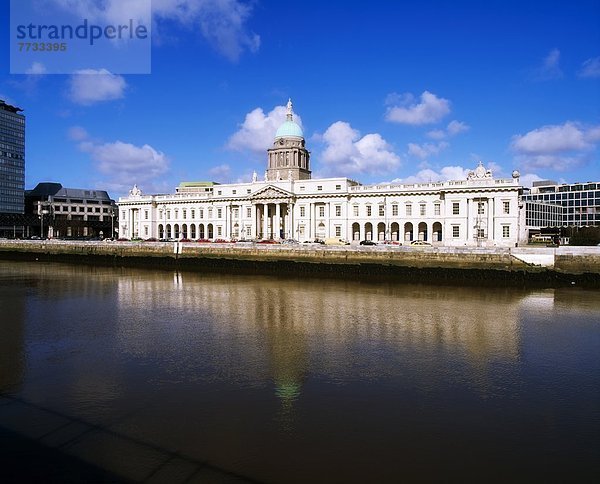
point(561, 266)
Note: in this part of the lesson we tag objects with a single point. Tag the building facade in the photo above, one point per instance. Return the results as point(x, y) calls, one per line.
point(71, 212)
point(288, 204)
point(550, 205)
point(12, 159)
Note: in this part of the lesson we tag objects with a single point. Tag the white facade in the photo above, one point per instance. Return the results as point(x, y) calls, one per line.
point(478, 211)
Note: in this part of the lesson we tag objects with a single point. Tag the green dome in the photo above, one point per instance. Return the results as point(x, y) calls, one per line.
point(289, 129)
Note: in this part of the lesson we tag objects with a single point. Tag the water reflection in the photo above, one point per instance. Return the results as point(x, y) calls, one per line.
point(247, 371)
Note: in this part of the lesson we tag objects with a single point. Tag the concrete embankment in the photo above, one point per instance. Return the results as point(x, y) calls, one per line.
point(539, 266)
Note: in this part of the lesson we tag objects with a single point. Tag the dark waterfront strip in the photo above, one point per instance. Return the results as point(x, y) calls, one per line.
point(433, 265)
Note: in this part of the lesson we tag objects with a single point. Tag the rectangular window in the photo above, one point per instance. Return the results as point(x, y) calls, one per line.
point(248, 191)
point(455, 208)
point(506, 207)
point(236, 213)
point(321, 211)
point(249, 212)
point(219, 192)
point(145, 230)
point(480, 233)
point(381, 210)
point(480, 208)
point(409, 210)
point(338, 187)
point(176, 213)
point(145, 214)
point(437, 209)
point(422, 209)
point(506, 231)
point(219, 212)
point(201, 213)
point(219, 230)
point(168, 214)
point(368, 210)
point(303, 211)
point(338, 231)
point(184, 214)
point(319, 188)
point(355, 208)
point(210, 212)
point(338, 210)
point(234, 192)
point(394, 210)
point(193, 214)
point(455, 231)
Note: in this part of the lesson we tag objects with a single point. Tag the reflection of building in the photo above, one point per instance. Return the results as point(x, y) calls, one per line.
point(288, 203)
point(71, 212)
point(12, 170)
point(549, 205)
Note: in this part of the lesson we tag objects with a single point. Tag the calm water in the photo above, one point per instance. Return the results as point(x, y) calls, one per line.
point(285, 380)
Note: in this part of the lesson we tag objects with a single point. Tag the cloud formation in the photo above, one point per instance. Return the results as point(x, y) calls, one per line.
point(346, 152)
point(257, 132)
point(90, 86)
point(454, 128)
point(123, 164)
point(220, 173)
point(550, 67)
point(426, 150)
point(558, 147)
point(428, 175)
point(590, 68)
point(221, 22)
point(405, 110)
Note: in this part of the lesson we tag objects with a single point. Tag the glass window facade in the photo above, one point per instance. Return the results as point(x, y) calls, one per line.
point(12, 159)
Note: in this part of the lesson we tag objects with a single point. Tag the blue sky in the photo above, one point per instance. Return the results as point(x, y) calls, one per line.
point(384, 90)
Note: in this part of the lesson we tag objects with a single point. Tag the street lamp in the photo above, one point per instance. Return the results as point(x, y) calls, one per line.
point(112, 222)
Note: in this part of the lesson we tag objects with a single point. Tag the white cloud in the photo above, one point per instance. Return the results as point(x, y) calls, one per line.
point(346, 152)
point(221, 22)
point(37, 68)
point(550, 68)
point(77, 133)
point(257, 132)
point(453, 128)
point(430, 110)
point(426, 150)
point(590, 68)
point(558, 147)
point(123, 164)
point(456, 127)
point(91, 86)
point(428, 175)
point(220, 173)
point(528, 179)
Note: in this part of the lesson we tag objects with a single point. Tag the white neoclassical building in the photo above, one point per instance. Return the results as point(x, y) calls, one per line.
point(288, 204)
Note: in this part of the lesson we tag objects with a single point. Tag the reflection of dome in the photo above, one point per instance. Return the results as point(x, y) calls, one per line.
point(289, 129)
point(287, 390)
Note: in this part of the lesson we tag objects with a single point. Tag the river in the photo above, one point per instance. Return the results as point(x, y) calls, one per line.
point(300, 380)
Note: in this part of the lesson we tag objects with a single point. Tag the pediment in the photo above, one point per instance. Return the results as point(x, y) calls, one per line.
point(271, 192)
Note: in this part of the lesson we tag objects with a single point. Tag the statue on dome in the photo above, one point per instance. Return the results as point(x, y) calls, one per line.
point(290, 176)
point(290, 106)
point(254, 177)
point(278, 175)
point(266, 175)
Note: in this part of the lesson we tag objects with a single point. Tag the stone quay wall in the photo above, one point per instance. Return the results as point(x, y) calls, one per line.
point(521, 265)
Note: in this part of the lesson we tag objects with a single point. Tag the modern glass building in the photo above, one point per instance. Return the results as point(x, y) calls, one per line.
point(580, 204)
point(12, 159)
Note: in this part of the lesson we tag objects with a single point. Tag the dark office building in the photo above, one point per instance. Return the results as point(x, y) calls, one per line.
point(12, 159)
point(70, 212)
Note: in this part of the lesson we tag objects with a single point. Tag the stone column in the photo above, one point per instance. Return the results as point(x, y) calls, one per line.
point(265, 221)
point(491, 224)
point(470, 221)
point(277, 222)
point(253, 234)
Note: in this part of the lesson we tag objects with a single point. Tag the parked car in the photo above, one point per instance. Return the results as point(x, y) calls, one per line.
point(367, 242)
point(419, 243)
point(267, 241)
point(151, 239)
point(336, 241)
point(203, 241)
point(290, 242)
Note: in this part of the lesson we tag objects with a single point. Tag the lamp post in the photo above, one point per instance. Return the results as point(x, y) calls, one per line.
point(112, 222)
